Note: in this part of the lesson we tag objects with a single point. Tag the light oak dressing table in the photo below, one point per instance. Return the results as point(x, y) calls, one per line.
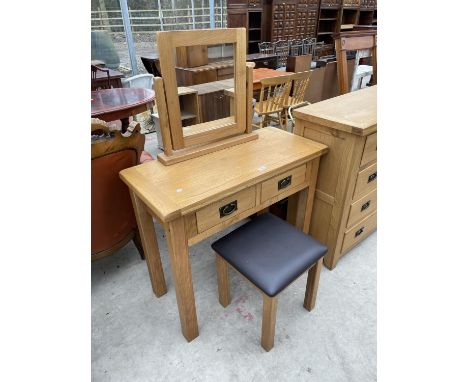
point(196, 198)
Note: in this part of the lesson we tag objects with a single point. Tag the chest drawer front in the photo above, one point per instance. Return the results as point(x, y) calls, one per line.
point(283, 182)
point(226, 72)
point(370, 149)
point(366, 181)
point(359, 232)
point(362, 208)
point(225, 209)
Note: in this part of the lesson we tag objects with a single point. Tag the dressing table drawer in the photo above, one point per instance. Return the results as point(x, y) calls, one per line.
point(366, 181)
point(225, 209)
point(283, 182)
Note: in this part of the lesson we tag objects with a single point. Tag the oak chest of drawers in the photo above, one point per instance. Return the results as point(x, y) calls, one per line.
point(345, 206)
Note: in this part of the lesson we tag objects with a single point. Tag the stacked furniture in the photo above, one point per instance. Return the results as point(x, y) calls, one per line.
point(190, 74)
point(345, 206)
point(248, 14)
point(368, 12)
point(273, 20)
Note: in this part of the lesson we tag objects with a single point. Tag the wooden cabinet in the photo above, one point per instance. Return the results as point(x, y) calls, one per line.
point(273, 20)
point(329, 22)
point(213, 105)
point(237, 18)
point(247, 14)
point(345, 206)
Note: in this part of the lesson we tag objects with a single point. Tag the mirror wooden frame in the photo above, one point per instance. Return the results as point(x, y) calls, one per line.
point(211, 131)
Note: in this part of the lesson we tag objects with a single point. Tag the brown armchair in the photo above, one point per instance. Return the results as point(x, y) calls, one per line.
point(113, 221)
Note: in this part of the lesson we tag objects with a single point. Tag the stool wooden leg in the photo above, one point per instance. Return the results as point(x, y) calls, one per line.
point(224, 293)
point(312, 285)
point(269, 321)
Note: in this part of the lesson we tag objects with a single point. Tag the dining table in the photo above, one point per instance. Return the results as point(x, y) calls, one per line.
point(120, 103)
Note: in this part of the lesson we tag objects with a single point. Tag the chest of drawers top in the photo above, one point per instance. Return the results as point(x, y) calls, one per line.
point(354, 112)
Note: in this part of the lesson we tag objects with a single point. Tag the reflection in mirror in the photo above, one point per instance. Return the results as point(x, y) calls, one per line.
point(203, 73)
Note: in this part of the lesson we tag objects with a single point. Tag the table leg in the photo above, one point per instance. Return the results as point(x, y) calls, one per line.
point(125, 123)
point(150, 245)
point(313, 278)
point(300, 204)
point(177, 245)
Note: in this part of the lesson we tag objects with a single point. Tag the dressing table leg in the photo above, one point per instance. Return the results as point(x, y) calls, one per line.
point(150, 245)
point(300, 204)
point(177, 245)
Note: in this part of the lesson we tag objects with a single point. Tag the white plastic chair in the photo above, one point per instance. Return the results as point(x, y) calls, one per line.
point(139, 81)
point(362, 73)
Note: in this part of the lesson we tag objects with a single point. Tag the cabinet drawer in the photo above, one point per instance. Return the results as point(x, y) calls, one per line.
point(224, 209)
point(225, 72)
point(366, 181)
point(283, 182)
point(370, 149)
point(358, 232)
point(362, 208)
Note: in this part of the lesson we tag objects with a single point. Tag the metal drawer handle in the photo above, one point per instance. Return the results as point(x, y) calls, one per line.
point(365, 205)
point(372, 177)
point(228, 209)
point(283, 183)
point(359, 231)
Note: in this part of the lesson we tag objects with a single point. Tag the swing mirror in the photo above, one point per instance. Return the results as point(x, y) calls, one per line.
point(180, 48)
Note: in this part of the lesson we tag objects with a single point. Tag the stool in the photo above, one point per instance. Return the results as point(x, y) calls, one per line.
point(271, 254)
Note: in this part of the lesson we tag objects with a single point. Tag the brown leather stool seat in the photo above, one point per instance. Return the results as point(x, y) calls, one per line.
point(271, 254)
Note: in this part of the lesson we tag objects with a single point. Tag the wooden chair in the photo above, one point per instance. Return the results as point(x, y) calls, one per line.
point(357, 40)
point(308, 46)
point(299, 83)
point(296, 48)
point(273, 96)
point(266, 47)
point(150, 66)
point(113, 222)
point(282, 50)
point(94, 70)
point(271, 254)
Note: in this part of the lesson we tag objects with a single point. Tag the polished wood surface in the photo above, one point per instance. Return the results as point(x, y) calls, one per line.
point(264, 73)
point(108, 101)
point(181, 194)
point(345, 203)
point(120, 103)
